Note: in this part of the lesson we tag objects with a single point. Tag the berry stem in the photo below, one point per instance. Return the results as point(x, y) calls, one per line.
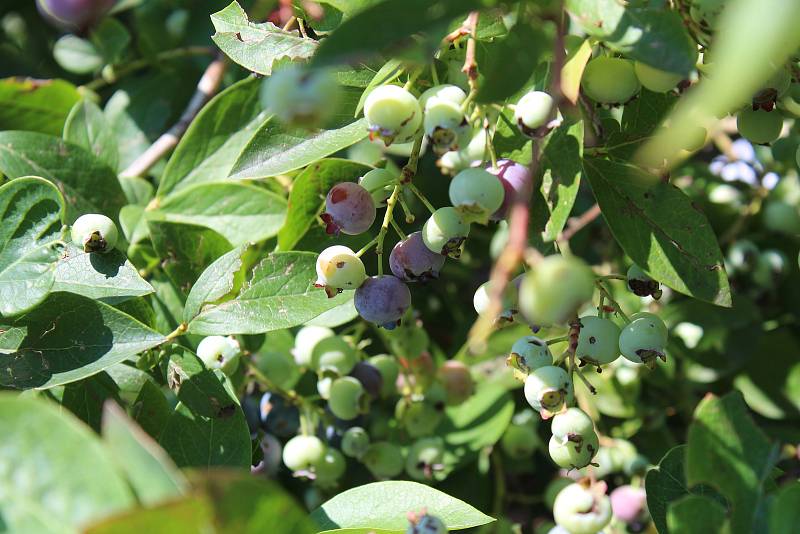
point(366, 247)
point(398, 230)
point(490, 147)
point(411, 79)
point(409, 215)
point(612, 277)
point(614, 304)
point(557, 340)
point(422, 198)
point(387, 219)
point(434, 74)
point(178, 332)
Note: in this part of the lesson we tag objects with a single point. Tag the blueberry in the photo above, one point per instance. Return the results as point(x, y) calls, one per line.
point(74, 15)
point(517, 185)
point(278, 417)
point(383, 300)
point(411, 261)
point(349, 209)
point(94, 233)
point(370, 378)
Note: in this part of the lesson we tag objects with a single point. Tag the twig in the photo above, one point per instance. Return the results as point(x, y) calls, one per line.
point(470, 67)
point(421, 197)
point(576, 224)
point(206, 88)
point(517, 243)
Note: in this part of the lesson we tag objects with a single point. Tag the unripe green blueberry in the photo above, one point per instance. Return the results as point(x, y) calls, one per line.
point(782, 217)
point(656, 80)
point(279, 367)
point(339, 268)
point(445, 125)
point(347, 398)
point(609, 80)
point(388, 368)
point(758, 126)
point(773, 89)
point(575, 452)
point(554, 290)
point(572, 421)
point(742, 256)
point(355, 442)
point(770, 268)
point(384, 460)
point(548, 389)
point(476, 194)
point(529, 353)
point(456, 379)
point(333, 355)
point(303, 453)
point(533, 111)
point(305, 340)
point(581, 509)
point(380, 184)
point(324, 386)
point(393, 114)
point(424, 459)
point(481, 300)
point(598, 341)
point(641, 284)
point(94, 232)
point(330, 468)
point(426, 524)
point(219, 352)
point(419, 417)
point(473, 154)
point(445, 231)
point(519, 441)
point(643, 340)
point(448, 92)
point(301, 96)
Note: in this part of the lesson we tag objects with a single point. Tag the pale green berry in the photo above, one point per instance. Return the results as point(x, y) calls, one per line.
point(305, 340)
point(581, 509)
point(519, 441)
point(302, 453)
point(333, 356)
point(476, 194)
point(445, 231)
point(300, 96)
point(389, 369)
point(339, 268)
point(643, 340)
point(219, 352)
point(380, 184)
point(555, 289)
point(656, 80)
point(451, 93)
point(609, 80)
point(424, 459)
point(481, 300)
point(574, 452)
point(393, 114)
point(598, 341)
point(384, 460)
point(94, 232)
point(758, 126)
point(347, 398)
point(548, 389)
point(533, 111)
point(445, 125)
point(641, 284)
point(330, 468)
point(355, 442)
point(572, 421)
point(529, 353)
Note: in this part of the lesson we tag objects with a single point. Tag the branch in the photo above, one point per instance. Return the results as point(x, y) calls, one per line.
point(206, 88)
point(514, 251)
point(576, 224)
point(470, 67)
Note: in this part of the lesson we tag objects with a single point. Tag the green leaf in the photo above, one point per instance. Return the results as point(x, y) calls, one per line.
point(85, 398)
point(341, 314)
point(108, 277)
point(511, 61)
point(186, 516)
point(35, 105)
point(247, 505)
point(133, 223)
point(694, 514)
point(31, 212)
point(58, 458)
point(655, 36)
point(88, 184)
point(279, 293)
point(640, 119)
point(71, 337)
point(308, 194)
point(676, 246)
point(784, 514)
point(729, 452)
point(276, 149)
point(11, 337)
point(256, 47)
point(561, 161)
point(667, 483)
point(240, 212)
point(572, 72)
point(151, 410)
point(216, 282)
point(186, 249)
point(86, 126)
point(387, 25)
point(478, 422)
point(215, 138)
point(385, 505)
point(207, 427)
point(150, 472)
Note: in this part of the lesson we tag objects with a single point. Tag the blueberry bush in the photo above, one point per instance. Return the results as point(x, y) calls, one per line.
point(399, 266)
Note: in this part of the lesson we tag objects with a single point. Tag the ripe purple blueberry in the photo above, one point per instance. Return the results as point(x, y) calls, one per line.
point(383, 300)
point(412, 261)
point(517, 185)
point(349, 208)
point(73, 15)
point(370, 378)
